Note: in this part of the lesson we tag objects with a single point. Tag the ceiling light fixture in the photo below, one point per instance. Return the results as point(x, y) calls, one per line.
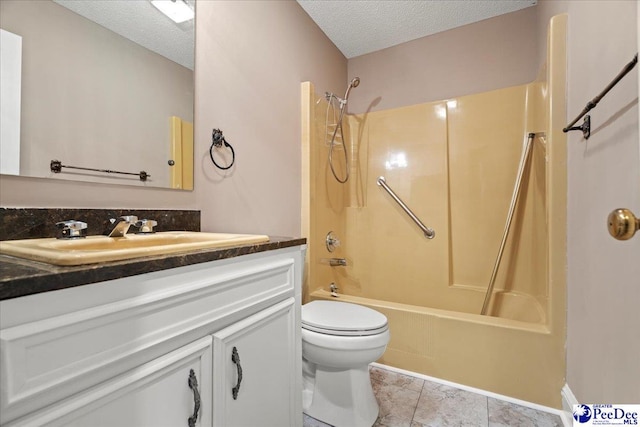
point(178, 10)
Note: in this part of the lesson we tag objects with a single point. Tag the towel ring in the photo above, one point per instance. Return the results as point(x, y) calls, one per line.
point(217, 141)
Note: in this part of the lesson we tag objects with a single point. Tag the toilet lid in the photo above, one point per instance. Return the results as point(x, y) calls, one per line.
point(343, 319)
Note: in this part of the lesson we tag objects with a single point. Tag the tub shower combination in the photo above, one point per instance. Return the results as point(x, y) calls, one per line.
point(451, 220)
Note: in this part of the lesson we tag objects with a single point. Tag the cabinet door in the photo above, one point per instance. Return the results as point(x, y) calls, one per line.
point(255, 357)
point(158, 393)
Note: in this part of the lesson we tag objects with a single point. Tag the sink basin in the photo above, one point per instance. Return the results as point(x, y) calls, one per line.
point(94, 249)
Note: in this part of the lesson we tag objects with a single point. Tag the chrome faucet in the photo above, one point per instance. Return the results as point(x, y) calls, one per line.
point(72, 229)
point(337, 262)
point(122, 225)
point(333, 288)
point(145, 226)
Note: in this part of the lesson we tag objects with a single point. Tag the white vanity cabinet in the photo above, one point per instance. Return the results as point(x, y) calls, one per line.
point(250, 389)
point(154, 394)
point(122, 352)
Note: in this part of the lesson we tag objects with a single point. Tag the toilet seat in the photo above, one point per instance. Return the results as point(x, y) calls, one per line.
point(342, 319)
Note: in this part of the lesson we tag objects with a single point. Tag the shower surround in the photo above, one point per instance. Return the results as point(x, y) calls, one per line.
point(454, 163)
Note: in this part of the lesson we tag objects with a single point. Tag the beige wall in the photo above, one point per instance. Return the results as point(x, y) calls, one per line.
point(603, 318)
point(250, 60)
point(491, 54)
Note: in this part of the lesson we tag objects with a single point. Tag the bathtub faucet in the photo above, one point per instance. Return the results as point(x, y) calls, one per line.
point(333, 288)
point(337, 262)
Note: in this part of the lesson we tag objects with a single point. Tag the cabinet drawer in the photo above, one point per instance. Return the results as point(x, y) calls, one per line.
point(156, 394)
point(49, 359)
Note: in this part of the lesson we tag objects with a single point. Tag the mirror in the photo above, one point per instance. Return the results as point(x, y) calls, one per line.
point(116, 95)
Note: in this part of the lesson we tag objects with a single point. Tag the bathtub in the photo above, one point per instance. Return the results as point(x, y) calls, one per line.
point(504, 356)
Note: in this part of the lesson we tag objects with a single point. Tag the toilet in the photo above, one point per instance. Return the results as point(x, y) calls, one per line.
point(339, 340)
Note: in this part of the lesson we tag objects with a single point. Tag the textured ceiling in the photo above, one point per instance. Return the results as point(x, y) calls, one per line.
point(358, 27)
point(142, 23)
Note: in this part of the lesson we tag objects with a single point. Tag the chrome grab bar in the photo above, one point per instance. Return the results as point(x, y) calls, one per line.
point(428, 232)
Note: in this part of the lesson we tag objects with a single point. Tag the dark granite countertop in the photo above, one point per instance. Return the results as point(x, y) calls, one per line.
point(21, 277)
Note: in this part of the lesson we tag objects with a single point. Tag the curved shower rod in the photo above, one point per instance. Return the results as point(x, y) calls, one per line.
point(526, 154)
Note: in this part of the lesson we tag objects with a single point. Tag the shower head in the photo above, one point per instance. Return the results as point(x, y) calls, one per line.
point(353, 83)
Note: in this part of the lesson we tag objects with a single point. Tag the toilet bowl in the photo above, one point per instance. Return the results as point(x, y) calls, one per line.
point(339, 340)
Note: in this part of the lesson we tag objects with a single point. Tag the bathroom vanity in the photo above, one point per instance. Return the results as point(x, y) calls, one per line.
point(203, 339)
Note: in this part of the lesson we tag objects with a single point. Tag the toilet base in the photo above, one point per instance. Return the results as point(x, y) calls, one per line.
point(342, 398)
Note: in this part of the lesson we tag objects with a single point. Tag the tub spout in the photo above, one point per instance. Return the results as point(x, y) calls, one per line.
point(337, 262)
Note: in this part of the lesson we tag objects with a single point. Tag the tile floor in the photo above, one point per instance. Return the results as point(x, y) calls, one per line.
point(407, 401)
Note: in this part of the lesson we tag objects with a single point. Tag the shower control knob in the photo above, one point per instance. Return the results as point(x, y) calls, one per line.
point(622, 224)
point(331, 242)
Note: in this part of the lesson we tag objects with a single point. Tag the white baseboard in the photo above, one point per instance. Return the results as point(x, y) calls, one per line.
point(559, 412)
point(568, 400)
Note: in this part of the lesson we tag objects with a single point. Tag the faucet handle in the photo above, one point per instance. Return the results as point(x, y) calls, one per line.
point(331, 241)
point(131, 219)
point(146, 225)
point(72, 229)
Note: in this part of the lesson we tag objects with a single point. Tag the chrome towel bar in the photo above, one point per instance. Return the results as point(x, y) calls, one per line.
point(56, 167)
point(585, 127)
point(428, 232)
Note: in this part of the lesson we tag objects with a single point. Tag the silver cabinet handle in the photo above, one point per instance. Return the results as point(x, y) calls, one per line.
point(193, 385)
point(235, 358)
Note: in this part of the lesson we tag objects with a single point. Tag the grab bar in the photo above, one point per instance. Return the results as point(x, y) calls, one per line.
point(428, 232)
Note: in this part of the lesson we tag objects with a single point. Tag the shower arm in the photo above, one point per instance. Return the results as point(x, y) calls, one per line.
point(428, 232)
